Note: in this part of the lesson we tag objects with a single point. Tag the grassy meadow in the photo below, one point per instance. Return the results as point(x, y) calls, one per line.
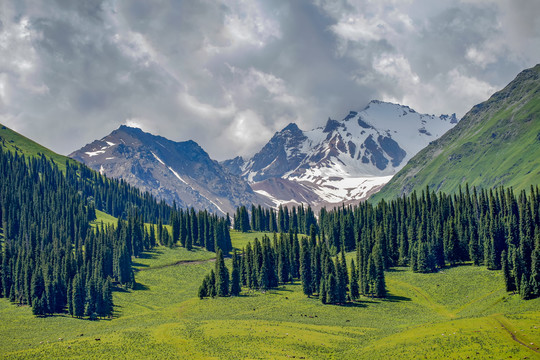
point(458, 313)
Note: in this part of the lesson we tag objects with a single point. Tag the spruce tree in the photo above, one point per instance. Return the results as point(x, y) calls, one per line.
point(305, 268)
point(508, 279)
point(222, 275)
point(212, 290)
point(39, 306)
point(535, 266)
point(525, 289)
point(78, 296)
point(323, 295)
point(107, 302)
point(332, 289)
point(203, 289)
point(353, 283)
point(235, 276)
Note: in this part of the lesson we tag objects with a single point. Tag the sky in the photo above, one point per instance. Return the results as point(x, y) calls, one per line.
point(228, 74)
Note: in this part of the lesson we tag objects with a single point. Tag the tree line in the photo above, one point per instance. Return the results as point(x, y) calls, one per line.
point(191, 228)
point(51, 257)
point(298, 219)
point(266, 264)
point(426, 232)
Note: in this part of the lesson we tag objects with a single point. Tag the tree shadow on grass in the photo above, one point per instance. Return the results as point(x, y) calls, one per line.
point(352, 304)
point(139, 286)
point(136, 287)
point(120, 289)
point(137, 264)
point(150, 254)
point(396, 298)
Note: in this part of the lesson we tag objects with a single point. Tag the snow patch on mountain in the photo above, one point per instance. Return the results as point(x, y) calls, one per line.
point(344, 160)
point(157, 158)
point(178, 176)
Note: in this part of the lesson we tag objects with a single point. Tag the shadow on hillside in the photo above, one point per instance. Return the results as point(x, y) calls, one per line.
point(355, 304)
point(139, 286)
point(396, 298)
point(150, 254)
point(120, 288)
point(138, 264)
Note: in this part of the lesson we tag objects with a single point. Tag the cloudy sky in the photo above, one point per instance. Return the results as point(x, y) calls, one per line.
point(229, 73)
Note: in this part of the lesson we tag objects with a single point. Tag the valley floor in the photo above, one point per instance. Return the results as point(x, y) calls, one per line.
point(458, 313)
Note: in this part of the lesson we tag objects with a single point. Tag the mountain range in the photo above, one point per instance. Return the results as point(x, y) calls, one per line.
point(343, 161)
point(496, 143)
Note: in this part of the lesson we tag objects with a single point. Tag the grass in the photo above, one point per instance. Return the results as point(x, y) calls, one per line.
point(240, 240)
point(459, 312)
point(15, 142)
point(105, 218)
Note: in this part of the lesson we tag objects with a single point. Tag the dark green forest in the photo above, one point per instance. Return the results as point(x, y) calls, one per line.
point(426, 232)
point(53, 260)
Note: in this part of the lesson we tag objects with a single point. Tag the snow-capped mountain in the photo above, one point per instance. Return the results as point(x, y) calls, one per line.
point(180, 172)
point(343, 161)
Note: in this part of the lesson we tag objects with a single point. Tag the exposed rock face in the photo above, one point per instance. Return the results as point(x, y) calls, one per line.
point(180, 172)
point(344, 160)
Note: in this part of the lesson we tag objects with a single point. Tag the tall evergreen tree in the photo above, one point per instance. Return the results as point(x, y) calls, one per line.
point(222, 275)
point(235, 276)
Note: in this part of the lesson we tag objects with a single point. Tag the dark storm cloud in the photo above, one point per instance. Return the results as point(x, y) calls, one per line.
point(229, 73)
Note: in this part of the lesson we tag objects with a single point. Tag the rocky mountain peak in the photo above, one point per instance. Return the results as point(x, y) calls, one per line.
point(180, 172)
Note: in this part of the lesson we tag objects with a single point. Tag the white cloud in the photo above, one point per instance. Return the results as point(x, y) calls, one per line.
point(228, 74)
point(204, 110)
point(468, 88)
point(247, 132)
point(248, 24)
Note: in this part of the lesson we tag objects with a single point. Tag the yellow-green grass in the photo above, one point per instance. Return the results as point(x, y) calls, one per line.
point(163, 318)
point(105, 218)
point(240, 239)
point(15, 142)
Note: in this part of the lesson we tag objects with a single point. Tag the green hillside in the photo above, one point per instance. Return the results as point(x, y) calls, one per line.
point(15, 142)
point(496, 143)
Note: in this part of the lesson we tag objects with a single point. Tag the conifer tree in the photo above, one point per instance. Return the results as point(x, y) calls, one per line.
point(332, 295)
point(353, 283)
point(235, 276)
point(78, 296)
point(203, 289)
point(323, 294)
point(306, 268)
point(212, 289)
point(107, 302)
point(525, 289)
point(222, 275)
point(535, 266)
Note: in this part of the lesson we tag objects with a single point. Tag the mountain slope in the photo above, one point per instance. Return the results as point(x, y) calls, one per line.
point(496, 143)
point(15, 142)
point(343, 161)
point(180, 172)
